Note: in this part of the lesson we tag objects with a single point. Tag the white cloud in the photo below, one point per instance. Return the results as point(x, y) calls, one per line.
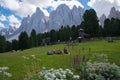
point(28, 7)
point(25, 9)
point(10, 4)
point(13, 21)
point(2, 25)
point(69, 3)
point(104, 6)
point(3, 18)
point(39, 3)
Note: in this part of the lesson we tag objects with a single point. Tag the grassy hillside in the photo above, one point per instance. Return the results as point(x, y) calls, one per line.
point(19, 66)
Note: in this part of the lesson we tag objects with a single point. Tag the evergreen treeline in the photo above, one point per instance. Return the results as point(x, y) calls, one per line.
point(90, 25)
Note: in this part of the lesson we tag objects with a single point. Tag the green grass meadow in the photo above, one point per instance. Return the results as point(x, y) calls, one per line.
point(18, 66)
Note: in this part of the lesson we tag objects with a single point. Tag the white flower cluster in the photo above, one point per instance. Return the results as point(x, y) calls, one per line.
point(3, 73)
point(57, 74)
point(102, 70)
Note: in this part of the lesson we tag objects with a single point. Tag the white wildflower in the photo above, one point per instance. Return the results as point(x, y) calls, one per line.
point(7, 74)
point(43, 68)
point(4, 68)
point(76, 77)
point(25, 57)
point(33, 56)
point(64, 76)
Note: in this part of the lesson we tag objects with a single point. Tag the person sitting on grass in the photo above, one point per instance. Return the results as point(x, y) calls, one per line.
point(58, 52)
point(65, 51)
point(51, 52)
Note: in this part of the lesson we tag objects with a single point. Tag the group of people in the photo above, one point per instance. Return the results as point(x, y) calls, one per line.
point(64, 51)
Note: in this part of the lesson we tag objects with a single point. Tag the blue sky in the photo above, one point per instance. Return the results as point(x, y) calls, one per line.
point(84, 2)
point(13, 11)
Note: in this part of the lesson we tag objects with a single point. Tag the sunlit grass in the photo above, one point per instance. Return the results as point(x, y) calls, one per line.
point(16, 62)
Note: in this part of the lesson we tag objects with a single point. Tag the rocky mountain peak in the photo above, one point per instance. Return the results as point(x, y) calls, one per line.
point(102, 19)
point(114, 13)
point(62, 7)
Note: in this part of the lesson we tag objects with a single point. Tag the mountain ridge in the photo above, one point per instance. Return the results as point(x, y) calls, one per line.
point(62, 16)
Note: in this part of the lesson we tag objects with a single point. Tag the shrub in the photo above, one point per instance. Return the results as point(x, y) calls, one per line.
point(103, 71)
point(100, 69)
